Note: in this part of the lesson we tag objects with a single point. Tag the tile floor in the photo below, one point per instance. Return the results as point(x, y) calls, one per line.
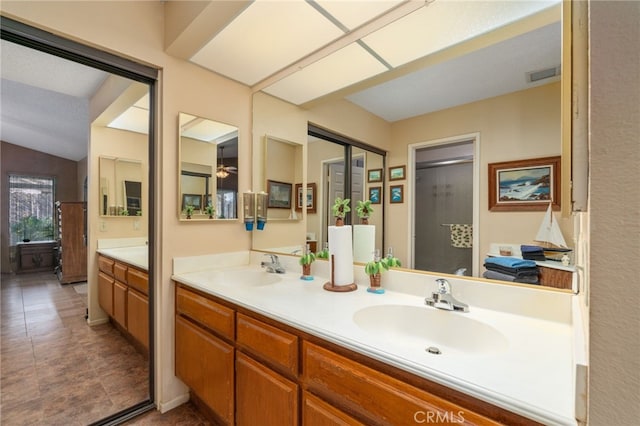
point(56, 370)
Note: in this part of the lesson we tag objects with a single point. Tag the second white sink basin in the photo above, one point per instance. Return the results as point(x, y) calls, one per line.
point(252, 277)
point(424, 327)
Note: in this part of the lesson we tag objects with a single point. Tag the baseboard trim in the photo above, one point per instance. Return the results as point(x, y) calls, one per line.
point(175, 402)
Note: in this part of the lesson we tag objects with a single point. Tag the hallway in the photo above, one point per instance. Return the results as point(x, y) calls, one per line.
point(55, 369)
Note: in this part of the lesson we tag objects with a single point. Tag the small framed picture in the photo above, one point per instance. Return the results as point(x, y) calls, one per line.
point(397, 173)
point(374, 175)
point(194, 200)
point(396, 193)
point(307, 199)
point(375, 194)
point(279, 194)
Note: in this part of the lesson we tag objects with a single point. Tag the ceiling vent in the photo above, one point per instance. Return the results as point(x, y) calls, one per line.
point(535, 76)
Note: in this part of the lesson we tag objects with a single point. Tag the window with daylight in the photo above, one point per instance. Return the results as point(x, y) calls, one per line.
point(30, 208)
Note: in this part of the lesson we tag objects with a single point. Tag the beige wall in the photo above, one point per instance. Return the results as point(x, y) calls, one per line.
point(19, 160)
point(614, 208)
point(516, 126)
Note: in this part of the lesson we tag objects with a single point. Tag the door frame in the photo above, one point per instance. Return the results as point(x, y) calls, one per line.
point(411, 195)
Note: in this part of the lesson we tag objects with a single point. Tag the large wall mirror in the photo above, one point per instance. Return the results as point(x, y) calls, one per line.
point(121, 181)
point(208, 164)
point(283, 175)
point(503, 85)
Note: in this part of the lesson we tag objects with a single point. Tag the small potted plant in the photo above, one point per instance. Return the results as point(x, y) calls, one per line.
point(364, 211)
point(340, 209)
point(124, 212)
point(189, 210)
point(374, 269)
point(307, 258)
point(392, 261)
point(324, 253)
point(210, 210)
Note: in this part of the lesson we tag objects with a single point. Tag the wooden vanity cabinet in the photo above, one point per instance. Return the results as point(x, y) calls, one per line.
point(284, 376)
point(123, 293)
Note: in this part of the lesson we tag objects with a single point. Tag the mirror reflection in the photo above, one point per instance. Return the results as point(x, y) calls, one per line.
point(282, 175)
point(501, 88)
point(120, 187)
point(208, 186)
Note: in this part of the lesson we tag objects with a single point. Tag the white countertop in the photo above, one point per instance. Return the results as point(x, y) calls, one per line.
point(137, 256)
point(532, 377)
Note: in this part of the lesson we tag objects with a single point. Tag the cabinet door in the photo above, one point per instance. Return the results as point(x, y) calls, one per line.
point(120, 303)
point(263, 395)
point(205, 364)
point(138, 316)
point(105, 293)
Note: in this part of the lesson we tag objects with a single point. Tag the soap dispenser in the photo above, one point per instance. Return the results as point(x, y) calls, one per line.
point(261, 209)
point(249, 210)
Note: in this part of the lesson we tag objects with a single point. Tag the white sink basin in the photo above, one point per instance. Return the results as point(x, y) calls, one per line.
point(423, 327)
point(252, 277)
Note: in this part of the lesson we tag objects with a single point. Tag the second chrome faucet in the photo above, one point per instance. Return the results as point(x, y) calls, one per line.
point(273, 266)
point(443, 299)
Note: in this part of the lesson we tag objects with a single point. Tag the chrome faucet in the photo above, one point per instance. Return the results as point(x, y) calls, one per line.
point(274, 265)
point(443, 299)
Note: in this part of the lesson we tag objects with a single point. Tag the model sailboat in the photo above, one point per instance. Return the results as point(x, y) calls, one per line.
point(549, 232)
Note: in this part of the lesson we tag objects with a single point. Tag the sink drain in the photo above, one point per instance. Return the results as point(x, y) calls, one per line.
point(433, 350)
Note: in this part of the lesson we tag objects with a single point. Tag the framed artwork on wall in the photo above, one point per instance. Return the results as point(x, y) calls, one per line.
point(396, 194)
point(307, 198)
point(279, 194)
point(194, 200)
point(525, 185)
point(374, 175)
point(375, 194)
point(397, 173)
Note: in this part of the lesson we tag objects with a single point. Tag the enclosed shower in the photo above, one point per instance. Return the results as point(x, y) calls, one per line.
point(444, 209)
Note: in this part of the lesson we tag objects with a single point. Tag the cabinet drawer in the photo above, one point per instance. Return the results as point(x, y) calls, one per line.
point(316, 412)
point(120, 272)
point(138, 280)
point(270, 343)
point(206, 312)
point(374, 396)
point(106, 265)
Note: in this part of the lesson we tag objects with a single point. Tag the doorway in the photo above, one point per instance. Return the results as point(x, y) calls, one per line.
point(444, 205)
point(44, 43)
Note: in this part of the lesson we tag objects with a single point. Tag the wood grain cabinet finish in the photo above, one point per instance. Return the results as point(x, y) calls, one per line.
point(123, 294)
point(206, 364)
point(120, 303)
point(72, 259)
point(138, 316)
point(105, 292)
point(275, 346)
point(374, 396)
point(206, 312)
point(316, 412)
point(263, 396)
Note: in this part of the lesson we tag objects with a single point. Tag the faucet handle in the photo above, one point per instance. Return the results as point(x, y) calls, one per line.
point(443, 286)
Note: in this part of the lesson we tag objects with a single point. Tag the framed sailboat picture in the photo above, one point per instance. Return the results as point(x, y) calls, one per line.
point(525, 185)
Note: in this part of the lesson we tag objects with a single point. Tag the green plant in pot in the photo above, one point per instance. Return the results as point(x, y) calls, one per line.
point(339, 209)
point(307, 258)
point(210, 210)
point(374, 269)
point(364, 211)
point(189, 211)
point(392, 261)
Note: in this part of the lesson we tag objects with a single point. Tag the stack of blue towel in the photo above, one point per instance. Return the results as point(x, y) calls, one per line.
point(511, 269)
point(532, 252)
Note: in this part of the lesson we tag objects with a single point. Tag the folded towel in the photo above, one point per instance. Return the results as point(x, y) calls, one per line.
point(493, 275)
point(510, 262)
point(515, 272)
point(531, 249)
point(461, 235)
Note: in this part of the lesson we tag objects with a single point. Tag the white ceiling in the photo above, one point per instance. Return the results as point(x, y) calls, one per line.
point(375, 54)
